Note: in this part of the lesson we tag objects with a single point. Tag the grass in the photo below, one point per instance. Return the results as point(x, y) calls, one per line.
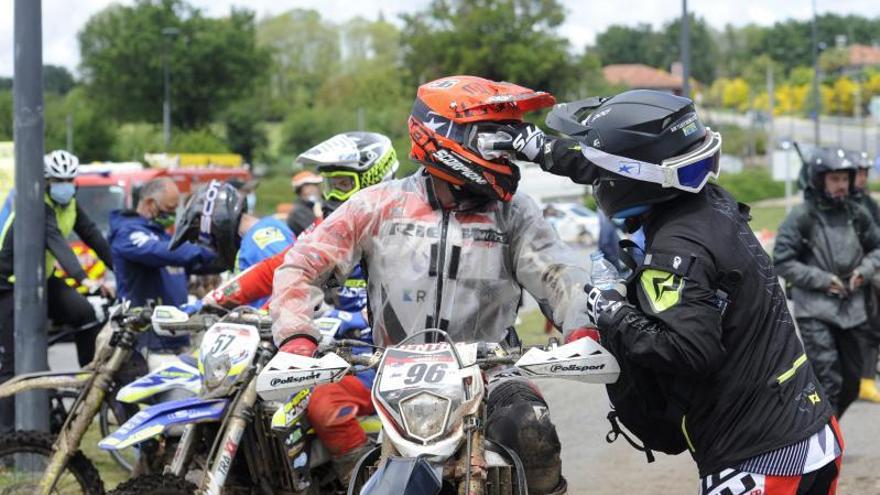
point(111, 473)
point(531, 328)
point(767, 217)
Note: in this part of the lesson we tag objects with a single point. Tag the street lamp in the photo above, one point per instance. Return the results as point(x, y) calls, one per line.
point(169, 33)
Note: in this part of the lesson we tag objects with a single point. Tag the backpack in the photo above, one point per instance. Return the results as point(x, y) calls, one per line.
point(639, 398)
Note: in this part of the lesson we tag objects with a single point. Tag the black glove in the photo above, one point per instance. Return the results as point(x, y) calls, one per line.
point(527, 141)
point(603, 304)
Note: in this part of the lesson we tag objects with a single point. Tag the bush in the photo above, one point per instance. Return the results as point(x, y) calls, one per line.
point(197, 141)
point(134, 140)
point(752, 184)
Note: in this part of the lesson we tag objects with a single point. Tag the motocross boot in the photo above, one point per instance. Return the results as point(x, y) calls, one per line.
point(344, 464)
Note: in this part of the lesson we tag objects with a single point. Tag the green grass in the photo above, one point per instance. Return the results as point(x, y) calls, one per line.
point(767, 217)
point(111, 473)
point(531, 328)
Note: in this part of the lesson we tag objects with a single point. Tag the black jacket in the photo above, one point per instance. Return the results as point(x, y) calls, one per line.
point(87, 231)
point(709, 317)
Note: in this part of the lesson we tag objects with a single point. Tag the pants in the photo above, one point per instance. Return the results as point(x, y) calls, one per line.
point(517, 418)
point(66, 306)
point(836, 357)
point(733, 482)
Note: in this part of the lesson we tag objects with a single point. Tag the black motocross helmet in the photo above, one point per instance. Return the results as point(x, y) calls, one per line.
point(829, 159)
point(211, 218)
point(649, 147)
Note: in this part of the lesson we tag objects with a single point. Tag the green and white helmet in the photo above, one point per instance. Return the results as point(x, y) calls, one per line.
point(350, 162)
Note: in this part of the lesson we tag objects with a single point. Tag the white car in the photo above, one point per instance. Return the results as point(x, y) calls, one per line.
point(574, 222)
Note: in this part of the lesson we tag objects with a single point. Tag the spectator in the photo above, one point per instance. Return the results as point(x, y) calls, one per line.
point(827, 249)
point(146, 269)
point(868, 386)
point(307, 207)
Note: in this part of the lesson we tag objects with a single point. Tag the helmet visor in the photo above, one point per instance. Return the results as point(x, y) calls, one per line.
point(688, 172)
point(340, 185)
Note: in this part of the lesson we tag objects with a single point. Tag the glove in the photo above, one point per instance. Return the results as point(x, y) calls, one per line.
point(603, 303)
point(96, 287)
point(580, 333)
point(528, 142)
point(193, 308)
point(303, 346)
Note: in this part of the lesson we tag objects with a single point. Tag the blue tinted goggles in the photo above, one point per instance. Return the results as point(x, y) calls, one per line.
point(688, 172)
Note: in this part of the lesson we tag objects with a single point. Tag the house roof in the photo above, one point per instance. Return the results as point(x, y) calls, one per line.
point(861, 55)
point(641, 76)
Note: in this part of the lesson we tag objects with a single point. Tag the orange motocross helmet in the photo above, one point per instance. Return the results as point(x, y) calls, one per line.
point(452, 115)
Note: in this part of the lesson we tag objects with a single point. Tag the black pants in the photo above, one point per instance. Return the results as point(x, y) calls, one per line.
point(837, 357)
point(65, 307)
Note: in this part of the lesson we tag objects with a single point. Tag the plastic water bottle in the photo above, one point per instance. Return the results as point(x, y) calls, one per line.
point(603, 273)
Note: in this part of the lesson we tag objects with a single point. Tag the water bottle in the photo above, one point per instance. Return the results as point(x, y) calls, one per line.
point(603, 273)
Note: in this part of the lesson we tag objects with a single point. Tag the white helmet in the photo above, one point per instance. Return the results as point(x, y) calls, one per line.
point(60, 164)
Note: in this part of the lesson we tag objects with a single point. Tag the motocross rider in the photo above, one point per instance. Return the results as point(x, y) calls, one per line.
point(704, 314)
point(449, 247)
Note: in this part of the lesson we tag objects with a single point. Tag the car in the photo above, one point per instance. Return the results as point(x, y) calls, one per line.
point(574, 222)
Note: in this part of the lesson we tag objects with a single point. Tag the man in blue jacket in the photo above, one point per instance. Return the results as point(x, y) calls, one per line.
point(146, 269)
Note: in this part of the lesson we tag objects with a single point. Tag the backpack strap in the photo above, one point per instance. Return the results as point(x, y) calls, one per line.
point(617, 431)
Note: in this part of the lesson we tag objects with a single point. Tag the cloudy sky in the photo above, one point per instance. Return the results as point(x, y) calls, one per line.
point(63, 18)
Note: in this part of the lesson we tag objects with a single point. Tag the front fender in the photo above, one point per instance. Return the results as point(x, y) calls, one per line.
point(45, 380)
point(403, 476)
point(178, 375)
point(156, 419)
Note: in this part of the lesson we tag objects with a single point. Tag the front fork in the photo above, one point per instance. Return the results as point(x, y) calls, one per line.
point(241, 415)
point(80, 418)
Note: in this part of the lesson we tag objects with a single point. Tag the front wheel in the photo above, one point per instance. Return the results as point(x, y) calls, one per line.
point(24, 456)
point(155, 484)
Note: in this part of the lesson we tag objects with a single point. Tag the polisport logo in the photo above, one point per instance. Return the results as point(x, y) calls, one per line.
point(454, 163)
point(573, 367)
point(276, 382)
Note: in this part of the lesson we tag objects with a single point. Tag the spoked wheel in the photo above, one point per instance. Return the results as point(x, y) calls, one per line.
point(23, 458)
point(155, 484)
point(114, 414)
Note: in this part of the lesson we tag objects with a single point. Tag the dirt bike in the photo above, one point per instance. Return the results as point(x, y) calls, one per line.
point(431, 400)
point(229, 418)
point(43, 463)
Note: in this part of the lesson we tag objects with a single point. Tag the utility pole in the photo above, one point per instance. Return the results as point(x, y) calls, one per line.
point(169, 33)
point(685, 50)
point(771, 134)
point(32, 408)
point(817, 103)
point(69, 121)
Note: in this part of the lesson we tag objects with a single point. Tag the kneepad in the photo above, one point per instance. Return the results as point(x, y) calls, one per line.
point(520, 420)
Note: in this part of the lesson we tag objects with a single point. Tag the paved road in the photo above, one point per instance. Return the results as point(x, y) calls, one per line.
point(594, 467)
point(833, 131)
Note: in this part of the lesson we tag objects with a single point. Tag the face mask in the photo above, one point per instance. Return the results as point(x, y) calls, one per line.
point(62, 192)
point(165, 219)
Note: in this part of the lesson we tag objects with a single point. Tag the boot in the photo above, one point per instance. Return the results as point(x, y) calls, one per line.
point(868, 390)
point(344, 465)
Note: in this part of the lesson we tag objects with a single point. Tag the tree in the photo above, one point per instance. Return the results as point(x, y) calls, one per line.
point(213, 61)
point(57, 79)
point(6, 116)
point(244, 132)
point(629, 45)
point(736, 94)
point(704, 51)
point(93, 134)
point(512, 40)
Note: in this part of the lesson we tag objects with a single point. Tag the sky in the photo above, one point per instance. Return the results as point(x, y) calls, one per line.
point(62, 19)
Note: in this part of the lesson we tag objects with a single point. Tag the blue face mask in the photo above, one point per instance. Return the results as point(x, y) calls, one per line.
point(62, 192)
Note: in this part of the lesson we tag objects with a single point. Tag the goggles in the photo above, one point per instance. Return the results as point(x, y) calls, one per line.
point(340, 185)
point(688, 172)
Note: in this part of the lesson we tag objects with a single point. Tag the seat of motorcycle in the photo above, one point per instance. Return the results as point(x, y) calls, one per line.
point(188, 358)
